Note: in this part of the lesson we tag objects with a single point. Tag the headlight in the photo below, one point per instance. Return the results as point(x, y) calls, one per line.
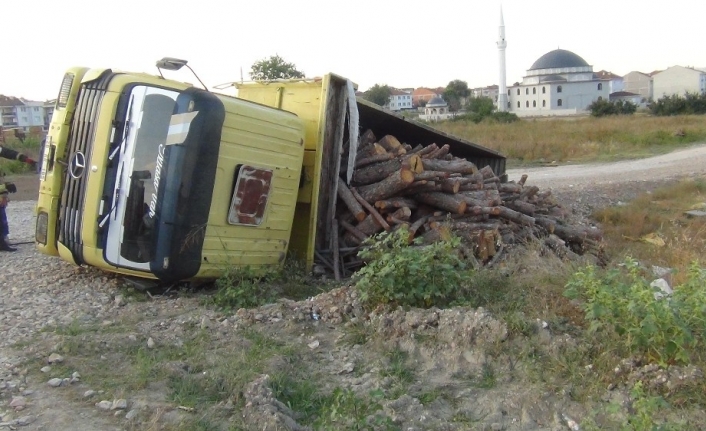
point(64, 91)
point(40, 234)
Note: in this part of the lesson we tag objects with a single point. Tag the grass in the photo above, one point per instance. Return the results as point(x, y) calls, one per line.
point(584, 139)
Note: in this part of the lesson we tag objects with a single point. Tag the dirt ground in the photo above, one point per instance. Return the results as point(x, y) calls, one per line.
point(27, 187)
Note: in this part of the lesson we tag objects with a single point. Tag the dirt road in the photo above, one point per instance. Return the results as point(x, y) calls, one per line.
point(678, 164)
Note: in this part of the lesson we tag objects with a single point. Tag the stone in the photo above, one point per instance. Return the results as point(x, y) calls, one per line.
point(695, 213)
point(119, 300)
point(25, 420)
point(119, 404)
point(104, 405)
point(55, 358)
point(45, 369)
point(55, 382)
point(18, 402)
point(661, 288)
point(89, 393)
point(314, 344)
point(131, 414)
point(150, 343)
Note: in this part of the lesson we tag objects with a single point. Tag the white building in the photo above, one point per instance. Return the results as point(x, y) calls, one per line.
point(558, 83)
point(399, 100)
point(21, 113)
point(638, 83)
point(436, 109)
point(678, 80)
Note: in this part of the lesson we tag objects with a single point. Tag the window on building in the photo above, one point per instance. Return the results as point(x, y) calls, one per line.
point(518, 103)
point(534, 90)
point(527, 104)
point(544, 103)
point(544, 90)
point(526, 90)
point(534, 103)
point(508, 92)
point(600, 86)
point(558, 89)
point(508, 105)
point(36, 109)
point(558, 102)
point(518, 91)
point(23, 109)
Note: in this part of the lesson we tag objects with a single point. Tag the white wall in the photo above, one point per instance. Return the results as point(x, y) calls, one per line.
point(678, 80)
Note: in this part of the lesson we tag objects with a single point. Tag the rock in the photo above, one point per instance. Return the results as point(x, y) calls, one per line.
point(18, 402)
point(55, 382)
point(695, 213)
point(150, 343)
point(314, 344)
point(89, 393)
point(661, 288)
point(119, 300)
point(45, 369)
point(25, 420)
point(119, 404)
point(348, 368)
point(131, 414)
point(104, 405)
point(55, 358)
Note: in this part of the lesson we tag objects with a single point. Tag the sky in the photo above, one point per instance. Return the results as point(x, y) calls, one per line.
point(398, 43)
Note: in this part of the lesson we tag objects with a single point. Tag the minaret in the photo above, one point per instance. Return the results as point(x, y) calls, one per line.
point(502, 43)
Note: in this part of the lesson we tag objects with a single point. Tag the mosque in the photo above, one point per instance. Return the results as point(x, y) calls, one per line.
point(559, 83)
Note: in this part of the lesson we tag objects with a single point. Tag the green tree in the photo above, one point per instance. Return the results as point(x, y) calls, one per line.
point(455, 92)
point(482, 106)
point(274, 67)
point(378, 94)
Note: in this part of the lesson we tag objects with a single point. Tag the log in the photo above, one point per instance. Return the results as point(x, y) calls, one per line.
point(510, 188)
point(368, 227)
point(369, 151)
point(487, 172)
point(373, 159)
point(420, 187)
point(416, 149)
point(373, 212)
point(451, 185)
point(523, 179)
point(388, 187)
point(391, 144)
point(426, 150)
point(349, 199)
point(516, 217)
point(523, 207)
point(460, 166)
point(360, 236)
point(396, 203)
point(443, 201)
point(401, 215)
point(379, 171)
point(570, 233)
point(336, 257)
point(414, 227)
point(431, 175)
point(438, 153)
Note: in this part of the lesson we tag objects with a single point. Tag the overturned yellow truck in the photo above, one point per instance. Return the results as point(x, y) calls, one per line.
point(162, 180)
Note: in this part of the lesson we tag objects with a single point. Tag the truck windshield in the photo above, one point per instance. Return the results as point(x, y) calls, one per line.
point(154, 173)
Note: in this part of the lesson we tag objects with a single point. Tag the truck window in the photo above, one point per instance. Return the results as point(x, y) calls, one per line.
point(250, 195)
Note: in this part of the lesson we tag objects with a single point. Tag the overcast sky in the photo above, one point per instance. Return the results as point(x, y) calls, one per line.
point(399, 43)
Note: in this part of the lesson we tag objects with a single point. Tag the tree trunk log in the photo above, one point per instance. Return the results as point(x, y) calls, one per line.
point(460, 166)
point(371, 210)
point(349, 199)
point(373, 159)
point(443, 201)
point(396, 203)
point(391, 185)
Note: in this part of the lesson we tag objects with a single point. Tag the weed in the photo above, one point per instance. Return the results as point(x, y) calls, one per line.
point(243, 287)
point(661, 329)
point(397, 367)
point(397, 273)
point(346, 410)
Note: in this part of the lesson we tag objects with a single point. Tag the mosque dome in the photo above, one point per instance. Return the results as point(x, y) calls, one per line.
point(436, 101)
point(559, 59)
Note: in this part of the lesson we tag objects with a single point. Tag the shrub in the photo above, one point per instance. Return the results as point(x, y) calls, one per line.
point(667, 329)
point(676, 105)
point(415, 275)
point(244, 287)
point(601, 108)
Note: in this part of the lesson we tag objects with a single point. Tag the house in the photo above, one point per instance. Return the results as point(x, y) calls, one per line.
point(399, 100)
point(18, 113)
point(638, 83)
point(559, 83)
point(628, 97)
point(421, 95)
point(678, 80)
point(490, 91)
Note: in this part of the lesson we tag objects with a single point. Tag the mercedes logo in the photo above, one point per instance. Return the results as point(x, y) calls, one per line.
point(77, 165)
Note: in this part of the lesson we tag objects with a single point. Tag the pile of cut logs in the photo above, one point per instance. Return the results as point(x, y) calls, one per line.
point(432, 194)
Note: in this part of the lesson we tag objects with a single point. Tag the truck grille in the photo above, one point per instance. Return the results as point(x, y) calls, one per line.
point(78, 150)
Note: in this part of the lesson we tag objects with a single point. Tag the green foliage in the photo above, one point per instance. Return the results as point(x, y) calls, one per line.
point(482, 106)
point(455, 91)
point(691, 103)
point(601, 108)
point(378, 94)
point(667, 329)
point(420, 276)
point(244, 287)
point(29, 147)
point(272, 68)
point(346, 410)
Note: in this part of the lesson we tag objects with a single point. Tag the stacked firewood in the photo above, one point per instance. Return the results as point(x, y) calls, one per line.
point(433, 195)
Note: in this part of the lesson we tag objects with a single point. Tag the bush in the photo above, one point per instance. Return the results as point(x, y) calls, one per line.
point(601, 108)
point(244, 287)
point(667, 329)
point(415, 275)
point(676, 105)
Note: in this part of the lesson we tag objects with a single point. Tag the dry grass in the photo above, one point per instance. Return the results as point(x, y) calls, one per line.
point(659, 216)
point(582, 139)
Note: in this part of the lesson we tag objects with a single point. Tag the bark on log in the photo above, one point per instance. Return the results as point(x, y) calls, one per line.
point(451, 185)
point(396, 203)
point(438, 153)
point(373, 212)
point(460, 166)
point(379, 171)
point(426, 150)
point(510, 188)
point(373, 159)
point(388, 187)
point(391, 144)
point(402, 214)
point(487, 172)
point(431, 175)
point(523, 207)
point(523, 179)
point(336, 257)
point(516, 217)
point(443, 201)
point(349, 199)
point(354, 232)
